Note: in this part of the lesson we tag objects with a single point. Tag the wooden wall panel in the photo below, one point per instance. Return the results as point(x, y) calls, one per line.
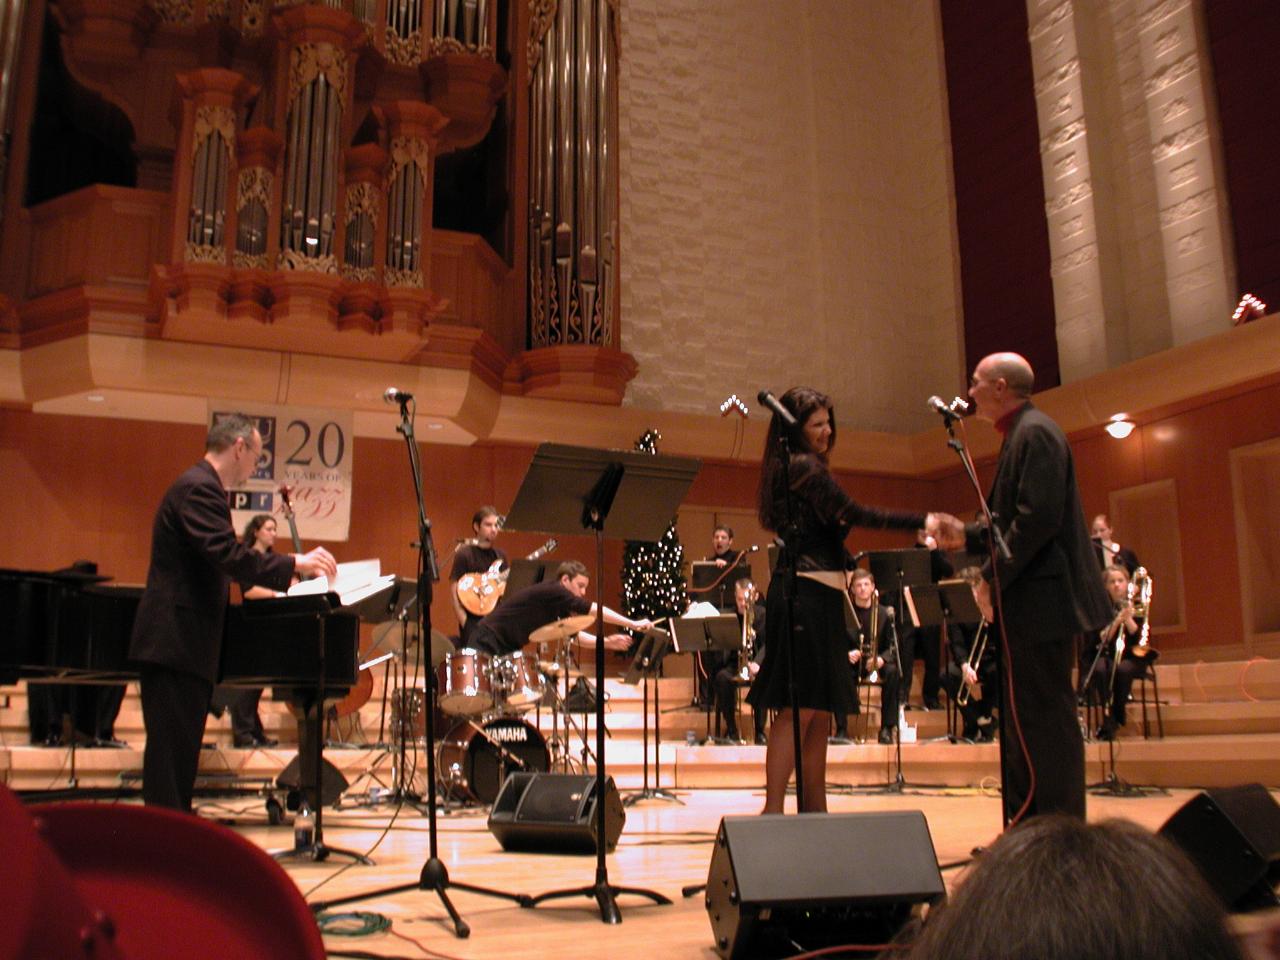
point(87, 488)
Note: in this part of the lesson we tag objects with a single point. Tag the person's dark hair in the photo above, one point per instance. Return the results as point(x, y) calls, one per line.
point(251, 528)
point(482, 514)
point(571, 569)
point(801, 402)
point(726, 528)
point(1057, 888)
point(226, 429)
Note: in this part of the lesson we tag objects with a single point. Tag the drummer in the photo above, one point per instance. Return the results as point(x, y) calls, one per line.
point(507, 628)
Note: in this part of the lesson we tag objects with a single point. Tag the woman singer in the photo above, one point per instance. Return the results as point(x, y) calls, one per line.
point(822, 516)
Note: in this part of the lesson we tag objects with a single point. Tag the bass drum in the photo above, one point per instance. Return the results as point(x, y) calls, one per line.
point(473, 760)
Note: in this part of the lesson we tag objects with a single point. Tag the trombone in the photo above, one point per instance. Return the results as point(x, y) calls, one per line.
point(975, 658)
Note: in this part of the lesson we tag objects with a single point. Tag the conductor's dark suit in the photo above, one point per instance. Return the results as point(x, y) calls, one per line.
point(177, 636)
point(1050, 591)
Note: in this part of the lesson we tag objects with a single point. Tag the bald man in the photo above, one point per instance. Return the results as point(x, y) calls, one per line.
point(1049, 589)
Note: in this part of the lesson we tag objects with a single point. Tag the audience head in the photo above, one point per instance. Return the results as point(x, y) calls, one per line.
point(1057, 888)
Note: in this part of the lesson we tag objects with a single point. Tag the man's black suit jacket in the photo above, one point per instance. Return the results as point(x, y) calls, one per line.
point(195, 554)
point(1051, 587)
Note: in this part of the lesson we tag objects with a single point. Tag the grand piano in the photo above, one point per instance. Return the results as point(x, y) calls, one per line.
point(70, 628)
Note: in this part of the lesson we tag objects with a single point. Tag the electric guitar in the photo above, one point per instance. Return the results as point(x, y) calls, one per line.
point(479, 592)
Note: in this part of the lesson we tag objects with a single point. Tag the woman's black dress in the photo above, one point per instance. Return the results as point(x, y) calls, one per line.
point(824, 516)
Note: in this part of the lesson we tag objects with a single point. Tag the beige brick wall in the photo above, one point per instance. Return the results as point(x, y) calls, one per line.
point(786, 204)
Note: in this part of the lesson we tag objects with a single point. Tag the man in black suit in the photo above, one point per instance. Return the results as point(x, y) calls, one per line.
point(1049, 590)
point(177, 635)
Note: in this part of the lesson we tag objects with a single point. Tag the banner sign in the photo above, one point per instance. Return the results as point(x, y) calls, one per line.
point(307, 449)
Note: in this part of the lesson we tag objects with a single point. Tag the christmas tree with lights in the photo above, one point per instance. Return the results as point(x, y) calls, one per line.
point(653, 584)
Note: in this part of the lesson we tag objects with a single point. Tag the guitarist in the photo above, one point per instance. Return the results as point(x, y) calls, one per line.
point(475, 556)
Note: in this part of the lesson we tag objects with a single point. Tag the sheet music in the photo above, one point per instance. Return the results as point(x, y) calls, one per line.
point(354, 582)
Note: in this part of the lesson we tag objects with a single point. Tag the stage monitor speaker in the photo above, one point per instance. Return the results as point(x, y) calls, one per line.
point(780, 885)
point(332, 783)
point(554, 812)
point(1233, 835)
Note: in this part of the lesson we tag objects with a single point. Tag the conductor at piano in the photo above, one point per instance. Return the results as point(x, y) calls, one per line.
point(177, 635)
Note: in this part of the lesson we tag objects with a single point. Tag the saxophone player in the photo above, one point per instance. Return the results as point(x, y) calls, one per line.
point(725, 682)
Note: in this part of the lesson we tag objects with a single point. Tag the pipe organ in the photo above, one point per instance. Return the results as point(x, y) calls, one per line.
point(573, 178)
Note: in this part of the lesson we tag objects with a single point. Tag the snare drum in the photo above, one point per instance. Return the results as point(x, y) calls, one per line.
point(518, 682)
point(465, 688)
point(474, 760)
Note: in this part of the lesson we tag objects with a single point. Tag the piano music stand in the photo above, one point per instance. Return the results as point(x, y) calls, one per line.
point(568, 489)
point(645, 664)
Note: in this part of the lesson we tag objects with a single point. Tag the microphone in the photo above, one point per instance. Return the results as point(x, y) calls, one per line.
point(395, 395)
point(938, 405)
point(766, 399)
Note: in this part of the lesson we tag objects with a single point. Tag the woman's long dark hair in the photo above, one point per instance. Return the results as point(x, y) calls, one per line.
point(802, 402)
point(252, 527)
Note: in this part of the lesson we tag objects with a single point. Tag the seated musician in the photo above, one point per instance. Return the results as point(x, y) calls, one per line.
point(475, 556)
point(872, 654)
point(979, 675)
point(246, 725)
point(1125, 629)
point(1110, 553)
point(728, 673)
point(507, 628)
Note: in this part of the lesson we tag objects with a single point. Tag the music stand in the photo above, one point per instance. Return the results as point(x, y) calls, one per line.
point(716, 582)
point(645, 664)
point(569, 489)
point(699, 635)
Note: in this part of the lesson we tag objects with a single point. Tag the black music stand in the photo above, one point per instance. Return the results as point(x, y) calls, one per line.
point(699, 635)
point(569, 489)
point(897, 570)
point(647, 663)
point(941, 603)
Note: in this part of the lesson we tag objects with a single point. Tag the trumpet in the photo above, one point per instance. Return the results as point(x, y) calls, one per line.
point(975, 658)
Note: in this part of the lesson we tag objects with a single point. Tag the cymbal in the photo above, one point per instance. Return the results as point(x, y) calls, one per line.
point(387, 635)
point(562, 628)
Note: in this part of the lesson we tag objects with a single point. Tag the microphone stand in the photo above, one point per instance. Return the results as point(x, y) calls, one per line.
point(434, 876)
point(1114, 785)
point(792, 578)
point(997, 546)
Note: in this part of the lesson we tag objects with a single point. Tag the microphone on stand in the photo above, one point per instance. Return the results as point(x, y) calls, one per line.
point(950, 412)
point(768, 400)
point(396, 395)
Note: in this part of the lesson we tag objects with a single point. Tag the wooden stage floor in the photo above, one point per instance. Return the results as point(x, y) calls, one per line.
point(663, 847)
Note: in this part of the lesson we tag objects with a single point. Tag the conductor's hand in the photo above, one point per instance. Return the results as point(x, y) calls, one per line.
point(618, 641)
point(316, 563)
point(982, 594)
point(947, 530)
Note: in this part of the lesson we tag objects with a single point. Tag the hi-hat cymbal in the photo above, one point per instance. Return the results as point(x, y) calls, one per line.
point(562, 628)
point(554, 668)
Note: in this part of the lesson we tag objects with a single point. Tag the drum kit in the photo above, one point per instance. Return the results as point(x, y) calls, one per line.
point(484, 705)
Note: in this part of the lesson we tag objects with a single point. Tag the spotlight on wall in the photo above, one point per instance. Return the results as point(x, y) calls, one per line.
point(1120, 426)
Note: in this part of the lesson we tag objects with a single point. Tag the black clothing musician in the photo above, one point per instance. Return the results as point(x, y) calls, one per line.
point(924, 643)
point(729, 566)
point(823, 515)
point(872, 653)
point(177, 634)
point(980, 673)
point(475, 556)
point(728, 675)
point(1110, 553)
point(1099, 661)
point(507, 628)
point(242, 703)
point(1049, 590)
